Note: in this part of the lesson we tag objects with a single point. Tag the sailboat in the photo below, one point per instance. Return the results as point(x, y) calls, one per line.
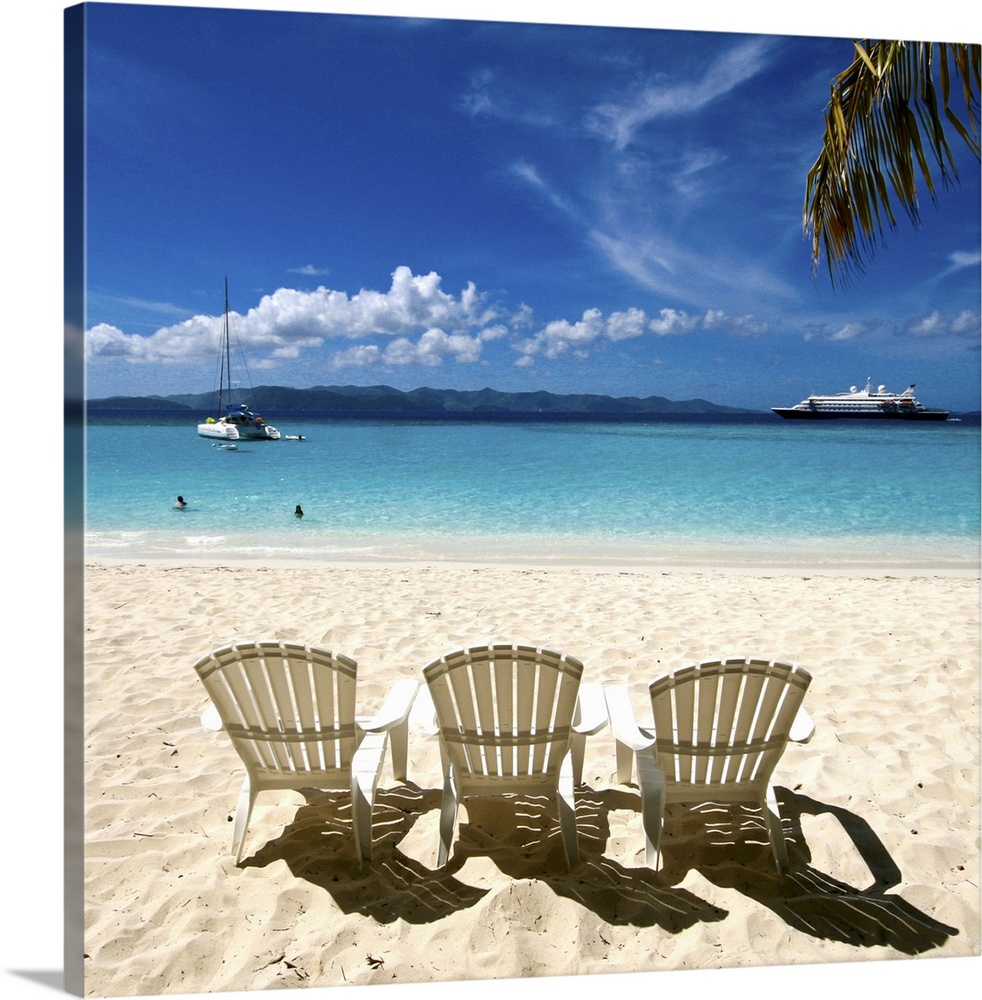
point(234, 422)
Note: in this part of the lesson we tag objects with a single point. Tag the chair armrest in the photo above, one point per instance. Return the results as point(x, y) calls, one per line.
point(803, 727)
point(395, 709)
point(622, 719)
point(591, 710)
point(422, 719)
point(211, 720)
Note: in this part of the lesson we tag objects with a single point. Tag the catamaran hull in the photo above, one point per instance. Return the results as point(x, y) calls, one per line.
point(251, 431)
point(218, 432)
point(268, 434)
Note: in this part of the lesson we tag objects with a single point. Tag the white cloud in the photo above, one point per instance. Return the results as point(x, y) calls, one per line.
point(310, 271)
point(432, 348)
point(931, 325)
point(362, 356)
point(625, 325)
point(288, 321)
point(967, 323)
point(964, 324)
point(672, 322)
point(562, 337)
point(848, 331)
point(522, 317)
point(739, 326)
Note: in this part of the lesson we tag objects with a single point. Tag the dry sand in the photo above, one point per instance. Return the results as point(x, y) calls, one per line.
point(882, 807)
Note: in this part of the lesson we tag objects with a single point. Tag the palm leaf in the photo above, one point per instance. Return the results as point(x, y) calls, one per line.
point(884, 137)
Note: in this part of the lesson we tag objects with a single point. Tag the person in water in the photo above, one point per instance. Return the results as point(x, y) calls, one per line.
point(299, 511)
point(181, 502)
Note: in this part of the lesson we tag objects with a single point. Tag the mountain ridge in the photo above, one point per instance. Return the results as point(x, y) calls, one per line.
point(272, 400)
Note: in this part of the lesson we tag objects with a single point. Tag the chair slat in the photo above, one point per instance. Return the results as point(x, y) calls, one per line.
point(545, 715)
point(504, 698)
point(731, 689)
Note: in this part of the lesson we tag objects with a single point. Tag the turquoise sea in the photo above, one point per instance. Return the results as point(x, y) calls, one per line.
point(854, 495)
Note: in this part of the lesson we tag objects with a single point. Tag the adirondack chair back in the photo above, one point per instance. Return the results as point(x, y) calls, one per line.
point(288, 708)
point(723, 724)
point(504, 712)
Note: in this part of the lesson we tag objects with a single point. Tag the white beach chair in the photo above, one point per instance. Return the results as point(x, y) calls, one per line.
point(512, 719)
point(289, 710)
point(720, 727)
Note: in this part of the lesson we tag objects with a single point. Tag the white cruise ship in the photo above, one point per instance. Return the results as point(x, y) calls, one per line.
point(867, 403)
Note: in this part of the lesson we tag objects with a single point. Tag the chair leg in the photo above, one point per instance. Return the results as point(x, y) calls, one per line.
point(366, 765)
point(362, 800)
point(652, 785)
point(577, 744)
point(772, 817)
point(448, 816)
point(567, 812)
point(247, 799)
point(625, 762)
point(399, 750)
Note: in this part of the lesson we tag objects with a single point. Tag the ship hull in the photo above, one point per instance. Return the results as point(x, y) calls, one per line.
point(790, 413)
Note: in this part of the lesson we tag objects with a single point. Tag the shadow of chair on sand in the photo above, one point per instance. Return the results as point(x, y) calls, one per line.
point(519, 834)
point(734, 853)
point(523, 839)
point(317, 846)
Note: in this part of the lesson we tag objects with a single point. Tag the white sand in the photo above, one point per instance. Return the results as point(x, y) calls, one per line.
point(882, 807)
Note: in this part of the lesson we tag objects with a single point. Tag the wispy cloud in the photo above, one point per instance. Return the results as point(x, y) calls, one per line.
point(619, 121)
point(689, 179)
point(631, 202)
point(161, 309)
point(659, 264)
point(529, 174)
point(964, 258)
point(490, 96)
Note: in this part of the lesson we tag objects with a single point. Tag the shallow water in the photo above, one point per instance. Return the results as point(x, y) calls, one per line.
point(837, 493)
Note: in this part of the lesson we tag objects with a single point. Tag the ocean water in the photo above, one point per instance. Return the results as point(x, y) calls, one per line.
point(840, 494)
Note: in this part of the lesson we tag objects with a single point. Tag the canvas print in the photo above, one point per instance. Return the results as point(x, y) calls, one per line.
point(530, 515)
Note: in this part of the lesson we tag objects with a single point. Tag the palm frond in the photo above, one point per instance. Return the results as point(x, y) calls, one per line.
point(884, 136)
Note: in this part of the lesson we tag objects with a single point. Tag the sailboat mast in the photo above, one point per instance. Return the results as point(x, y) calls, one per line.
point(226, 364)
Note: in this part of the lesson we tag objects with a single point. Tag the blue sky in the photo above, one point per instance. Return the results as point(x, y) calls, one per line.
point(424, 201)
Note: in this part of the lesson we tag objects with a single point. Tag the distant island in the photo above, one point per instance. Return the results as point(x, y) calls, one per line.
point(275, 401)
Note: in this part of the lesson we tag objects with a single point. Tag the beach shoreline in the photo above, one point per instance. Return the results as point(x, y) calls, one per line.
point(761, 563)
point(881, 807)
